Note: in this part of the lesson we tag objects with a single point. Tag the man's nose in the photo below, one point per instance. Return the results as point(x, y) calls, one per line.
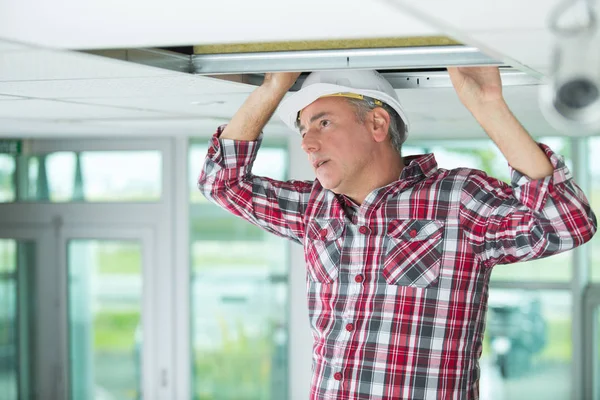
point(310, 144)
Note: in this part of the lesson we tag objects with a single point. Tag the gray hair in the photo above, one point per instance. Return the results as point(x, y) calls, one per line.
point(396, 130)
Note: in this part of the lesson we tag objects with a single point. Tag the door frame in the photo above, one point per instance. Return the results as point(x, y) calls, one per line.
point(164, 225)
point(591, 335)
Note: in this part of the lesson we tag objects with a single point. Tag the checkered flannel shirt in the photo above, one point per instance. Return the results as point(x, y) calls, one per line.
point(397, 287)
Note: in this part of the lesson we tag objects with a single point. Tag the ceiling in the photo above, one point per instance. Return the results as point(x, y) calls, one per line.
point(48, 91)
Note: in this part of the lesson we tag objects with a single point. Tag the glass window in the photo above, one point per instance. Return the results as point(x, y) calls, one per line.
point(8, 320)
point(7, 170)
point(105, 290)
point(239, 295)
point(271, 162)
point(17, 295)
point(527, 346)
point(594, 197)
point(90, 176)
point(121, 175)
point(477, 154)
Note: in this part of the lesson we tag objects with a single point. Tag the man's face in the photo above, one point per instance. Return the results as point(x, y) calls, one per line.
point(338, 145)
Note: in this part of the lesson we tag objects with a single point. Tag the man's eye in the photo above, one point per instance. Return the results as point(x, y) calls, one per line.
point(325, 123)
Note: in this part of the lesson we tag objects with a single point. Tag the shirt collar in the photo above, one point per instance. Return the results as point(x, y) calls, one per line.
point(415, 168)
point(419, 166)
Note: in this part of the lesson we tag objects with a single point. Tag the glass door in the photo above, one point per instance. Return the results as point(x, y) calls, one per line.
point(106, 285)
point(103, 323)
point(22, 355)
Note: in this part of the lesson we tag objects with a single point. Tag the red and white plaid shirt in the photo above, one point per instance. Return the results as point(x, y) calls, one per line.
point(398, 286)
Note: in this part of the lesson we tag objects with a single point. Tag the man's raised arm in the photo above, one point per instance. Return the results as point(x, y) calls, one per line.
point(227, 179)
point(249, 121)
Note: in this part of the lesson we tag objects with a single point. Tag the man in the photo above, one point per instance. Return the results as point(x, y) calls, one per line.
point(398, 252)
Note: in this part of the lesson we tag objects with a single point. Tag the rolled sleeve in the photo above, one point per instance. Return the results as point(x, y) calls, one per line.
point(232, 154)
point(534, 193)
point(227, 180)
point(530, 219)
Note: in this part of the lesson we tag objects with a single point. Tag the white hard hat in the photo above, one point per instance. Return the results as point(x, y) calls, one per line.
point(324, 83)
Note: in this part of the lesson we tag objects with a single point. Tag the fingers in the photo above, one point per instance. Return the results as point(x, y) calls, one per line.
point(281, 80)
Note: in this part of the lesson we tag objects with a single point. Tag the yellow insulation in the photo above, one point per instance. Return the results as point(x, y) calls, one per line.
point(325, 45)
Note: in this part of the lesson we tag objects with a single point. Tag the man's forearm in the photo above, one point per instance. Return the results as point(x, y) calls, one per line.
point(249, 121)
point(515, 143)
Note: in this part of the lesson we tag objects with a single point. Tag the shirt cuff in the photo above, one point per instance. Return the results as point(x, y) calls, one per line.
point(534, 193)
point(229, 153)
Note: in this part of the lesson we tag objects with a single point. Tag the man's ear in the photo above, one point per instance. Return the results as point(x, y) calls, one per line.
point(379, 123)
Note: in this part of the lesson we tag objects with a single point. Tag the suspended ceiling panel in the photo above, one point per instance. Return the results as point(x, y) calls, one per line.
point(45, 93)
point(5, 97)
point(214, 105)
point(158, 87)
point(74, 94)
point(40, 64)
point(6, 46)
point(55, 92)
point(51, 129)
point(153, 23)
point(57, 110)
point(514, 31)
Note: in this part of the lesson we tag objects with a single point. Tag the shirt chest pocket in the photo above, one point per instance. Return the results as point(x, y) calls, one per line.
point(413, 252)
point(323, 248)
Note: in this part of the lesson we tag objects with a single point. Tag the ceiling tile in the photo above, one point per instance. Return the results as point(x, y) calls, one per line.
point(7, 45)
point(223, 106)
point(532, 47)
point(54, 129)
point(6, 97)
point(154, 87)
point(439, 113)
point(54, 110)
point(469, 15)
point(48, 64)
point(150, 23)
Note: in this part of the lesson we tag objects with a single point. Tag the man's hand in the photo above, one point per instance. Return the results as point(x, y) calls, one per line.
point(476, 86)
point(282, 81)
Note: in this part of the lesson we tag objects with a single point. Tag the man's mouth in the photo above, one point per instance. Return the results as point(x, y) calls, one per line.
point(320, 163)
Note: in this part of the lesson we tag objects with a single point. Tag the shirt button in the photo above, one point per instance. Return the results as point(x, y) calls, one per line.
point(349, 327)
point(359, 278)
point(337, 376)
point(363, 229)
point(413, 233)
point(323, 233)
